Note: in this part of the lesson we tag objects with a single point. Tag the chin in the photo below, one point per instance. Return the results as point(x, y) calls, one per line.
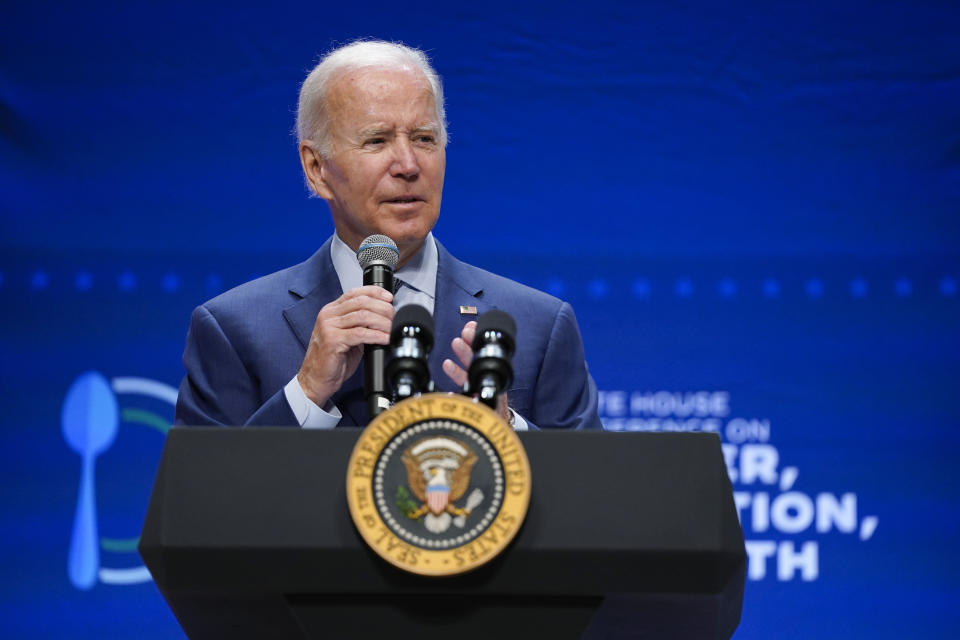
point(406, 241)
point(406, 235)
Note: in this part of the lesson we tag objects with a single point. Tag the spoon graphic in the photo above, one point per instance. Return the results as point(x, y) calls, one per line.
point(89, 421)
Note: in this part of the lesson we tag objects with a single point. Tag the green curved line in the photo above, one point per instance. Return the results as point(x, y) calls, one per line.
point(119, 544)
point(146, 418)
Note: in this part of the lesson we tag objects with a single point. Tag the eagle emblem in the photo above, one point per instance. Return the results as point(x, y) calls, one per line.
point(438, 472)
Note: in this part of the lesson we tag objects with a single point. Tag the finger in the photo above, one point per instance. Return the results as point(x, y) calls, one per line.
point(463, 351)
point(502, 406)
point(370, 290)
point(364, 318)
point(454, 372)
point(342, 306)
point(358, 336)
point(469, 332)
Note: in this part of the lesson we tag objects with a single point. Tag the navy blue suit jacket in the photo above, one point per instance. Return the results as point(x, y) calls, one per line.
point(245, 345)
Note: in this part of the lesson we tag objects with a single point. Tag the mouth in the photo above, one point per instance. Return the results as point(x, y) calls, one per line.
point(403, 200)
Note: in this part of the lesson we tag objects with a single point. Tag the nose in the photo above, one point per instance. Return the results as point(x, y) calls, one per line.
point(405, 164)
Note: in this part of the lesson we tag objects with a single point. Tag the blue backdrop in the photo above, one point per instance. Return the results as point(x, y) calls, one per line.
point(752, 207)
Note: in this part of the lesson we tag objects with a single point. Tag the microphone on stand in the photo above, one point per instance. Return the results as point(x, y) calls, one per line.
point(493, 345)
point(378, 256)
point(412, 340)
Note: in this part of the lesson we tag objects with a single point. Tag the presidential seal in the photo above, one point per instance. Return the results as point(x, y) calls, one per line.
point(438, 484)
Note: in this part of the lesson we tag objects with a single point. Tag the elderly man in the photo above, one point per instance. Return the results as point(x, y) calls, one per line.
point(286, 349)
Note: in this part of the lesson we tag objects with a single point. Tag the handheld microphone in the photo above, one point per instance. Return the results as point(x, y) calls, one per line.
point(493, 345)
point(378, 256)
point(412, 340)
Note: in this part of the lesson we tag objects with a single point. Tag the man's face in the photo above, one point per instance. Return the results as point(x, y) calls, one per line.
point(385, 170)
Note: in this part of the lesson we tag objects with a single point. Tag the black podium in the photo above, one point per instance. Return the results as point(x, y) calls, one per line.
point(628, 535)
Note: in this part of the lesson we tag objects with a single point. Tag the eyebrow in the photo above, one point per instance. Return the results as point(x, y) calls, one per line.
point(429, 128)
point(367, 133)
point(380, 131)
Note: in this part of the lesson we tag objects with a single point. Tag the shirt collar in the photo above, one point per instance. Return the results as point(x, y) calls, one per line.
point(420, 271)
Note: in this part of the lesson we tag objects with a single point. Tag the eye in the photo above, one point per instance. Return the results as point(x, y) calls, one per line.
point(424, 138)
point(374, 141)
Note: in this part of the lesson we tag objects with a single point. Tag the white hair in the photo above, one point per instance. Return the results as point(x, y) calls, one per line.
point(312, 121)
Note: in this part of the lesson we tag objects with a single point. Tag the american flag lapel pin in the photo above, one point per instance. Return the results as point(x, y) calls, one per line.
point(466, 310)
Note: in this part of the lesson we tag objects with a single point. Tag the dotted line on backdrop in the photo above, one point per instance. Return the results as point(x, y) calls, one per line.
point(124, 282)
point(597, 289)
point(770, 288)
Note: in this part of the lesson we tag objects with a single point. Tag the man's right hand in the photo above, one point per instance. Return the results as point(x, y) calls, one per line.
point(358, 317)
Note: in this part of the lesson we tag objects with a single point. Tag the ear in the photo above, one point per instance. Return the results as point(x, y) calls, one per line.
point(314, 170)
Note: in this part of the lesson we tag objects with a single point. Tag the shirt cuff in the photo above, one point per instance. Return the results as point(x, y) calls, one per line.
point(519, 424)
point(309, 414)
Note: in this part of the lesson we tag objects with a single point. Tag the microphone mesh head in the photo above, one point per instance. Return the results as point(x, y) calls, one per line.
point(378, 249)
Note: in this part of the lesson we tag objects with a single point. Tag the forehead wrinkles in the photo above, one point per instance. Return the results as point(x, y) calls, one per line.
point(376, 99)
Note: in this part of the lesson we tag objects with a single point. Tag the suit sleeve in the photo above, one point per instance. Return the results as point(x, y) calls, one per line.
point(565, 396)
point(218, 389)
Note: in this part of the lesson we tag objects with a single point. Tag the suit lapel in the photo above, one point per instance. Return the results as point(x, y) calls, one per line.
point(456, 286)
point(316, 283)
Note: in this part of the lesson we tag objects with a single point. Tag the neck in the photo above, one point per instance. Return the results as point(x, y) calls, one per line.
point(407, 250)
